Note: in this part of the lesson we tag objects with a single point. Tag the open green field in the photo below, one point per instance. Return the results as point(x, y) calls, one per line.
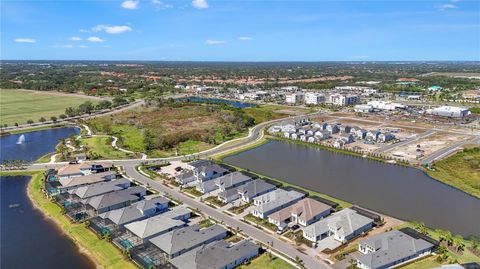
point(461, 170)
point(264, 113)
point(101, 146)
point(103, 252)
point(265, 262)
point(18, 106)
point(177, 129)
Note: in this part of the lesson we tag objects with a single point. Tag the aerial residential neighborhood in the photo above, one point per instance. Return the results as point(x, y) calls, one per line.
point(221, 134)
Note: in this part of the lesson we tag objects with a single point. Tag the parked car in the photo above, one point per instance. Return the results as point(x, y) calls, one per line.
point(178, 169)
point(73, 162)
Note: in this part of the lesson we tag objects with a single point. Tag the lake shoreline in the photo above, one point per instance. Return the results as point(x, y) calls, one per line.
point(247, 165)
point(81, 249)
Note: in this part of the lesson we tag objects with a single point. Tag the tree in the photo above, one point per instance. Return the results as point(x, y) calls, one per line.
point(70, 111)
point(16, 124)
point(458, 243)
point(30, 121)
point(86, 107)
point(53, 118)
point(62, 116)
point(104, 104)
point(118, 101)
point(42, 119)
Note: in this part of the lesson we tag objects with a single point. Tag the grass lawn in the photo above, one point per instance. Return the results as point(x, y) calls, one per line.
point(264, 262)
point(214, 200)
point(45, 158)
point(20, 106)
point(102, 147)
point(264, 113)
point(261, 222)
point(461, 170)
point(193, 191)
point(104, 252)
point(465, 257)
point(192, 146)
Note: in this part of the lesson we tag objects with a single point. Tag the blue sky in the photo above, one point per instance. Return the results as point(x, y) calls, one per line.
point(241, 30)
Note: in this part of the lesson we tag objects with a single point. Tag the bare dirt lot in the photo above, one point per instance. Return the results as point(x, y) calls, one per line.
point(428, 145)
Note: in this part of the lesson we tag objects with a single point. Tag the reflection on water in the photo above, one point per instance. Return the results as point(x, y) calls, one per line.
point(405, 193)
point(32, 145)
point(28, 240)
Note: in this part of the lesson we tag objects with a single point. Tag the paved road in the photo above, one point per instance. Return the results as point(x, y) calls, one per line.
point(449, 150)
point(255, 134)
point(259, 235)
point(407, 141)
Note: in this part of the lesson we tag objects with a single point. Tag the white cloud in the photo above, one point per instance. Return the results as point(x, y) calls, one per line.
point(447, 6)
point(95, 39)
point(200, 4)
point(245, 38)
point(130, 4)
point(112, 29)
point(215, 42)
point(75, 38)
point(159, 5)
point(68, 46)
point(83, 46)
point(454, 1)
point(25, 40)
point(361, 57)
point(84, 31)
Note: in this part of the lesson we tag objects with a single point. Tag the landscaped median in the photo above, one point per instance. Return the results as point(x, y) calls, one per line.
point(102, 252)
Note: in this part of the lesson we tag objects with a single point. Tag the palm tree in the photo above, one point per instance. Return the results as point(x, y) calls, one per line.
point(448, 238)
point(458, 243)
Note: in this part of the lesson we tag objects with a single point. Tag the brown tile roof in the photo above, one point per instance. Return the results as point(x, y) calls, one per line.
point(308, 208)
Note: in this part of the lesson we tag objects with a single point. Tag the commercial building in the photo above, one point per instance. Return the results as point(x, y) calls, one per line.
point(344, 100)
point(294, 98)
point(449, 111)
point(312, 98)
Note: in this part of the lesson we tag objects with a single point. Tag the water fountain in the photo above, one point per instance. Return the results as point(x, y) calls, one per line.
point(21, 140)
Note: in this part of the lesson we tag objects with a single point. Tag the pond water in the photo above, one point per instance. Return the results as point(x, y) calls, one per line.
point(401, 192)
point(33, 145)
point(28, 239)
point(236, 104)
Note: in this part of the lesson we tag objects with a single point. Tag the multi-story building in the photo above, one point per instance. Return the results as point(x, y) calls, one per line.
point(312, 98)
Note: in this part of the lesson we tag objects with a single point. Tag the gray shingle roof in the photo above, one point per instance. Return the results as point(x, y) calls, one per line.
point(344, 222)
point(232, 179)
point(215, 255)
point(133, 212)
point(253, 188)
point(187, 238)
point(275, 199)
point(95, 189)
point(114, 198)
point(89, 179)
point(391, 247)
point(153, 226)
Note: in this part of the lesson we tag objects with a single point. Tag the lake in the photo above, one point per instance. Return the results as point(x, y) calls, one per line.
point(28, 240)
point(36, 144)
point(402, 192)
point(236, 104)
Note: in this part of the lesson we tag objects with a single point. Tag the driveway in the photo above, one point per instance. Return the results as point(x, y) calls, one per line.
point(254, 233)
